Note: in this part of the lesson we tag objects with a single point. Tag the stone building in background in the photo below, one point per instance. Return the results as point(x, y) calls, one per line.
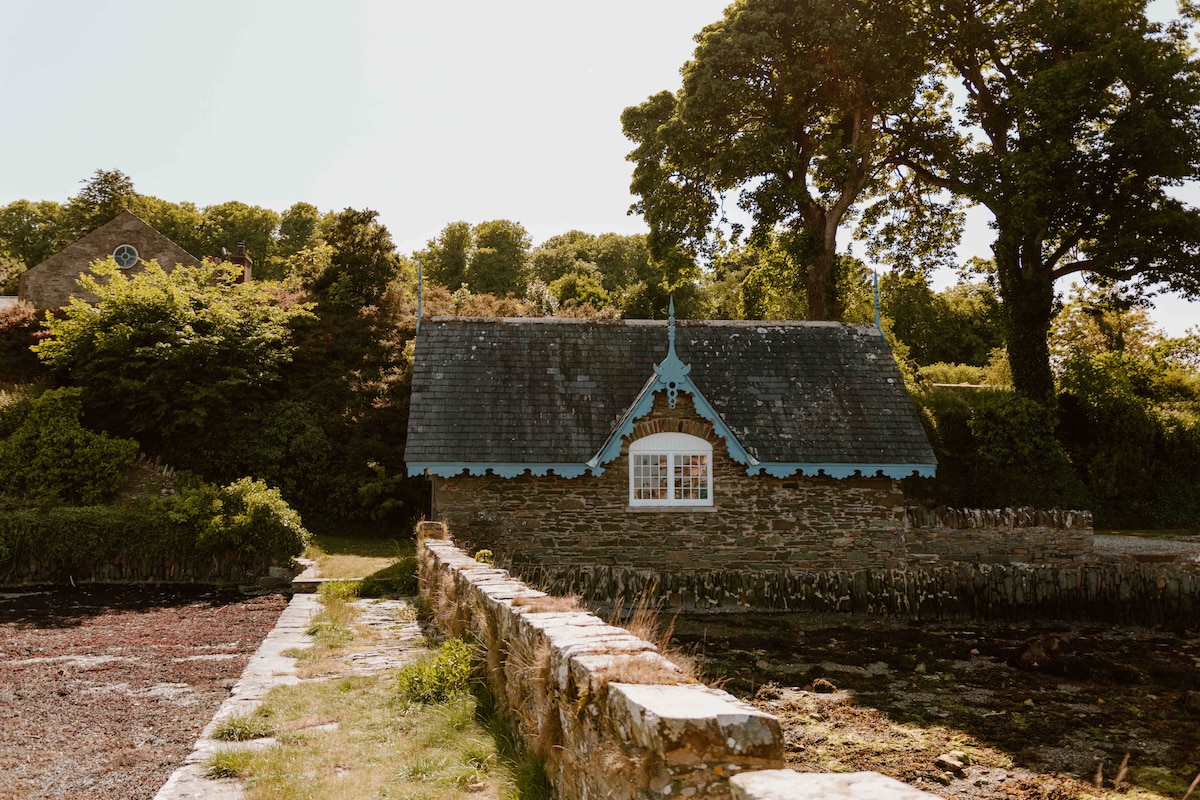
point(129, 240)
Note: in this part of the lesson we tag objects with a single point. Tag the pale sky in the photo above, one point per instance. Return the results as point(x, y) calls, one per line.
point(428, 112)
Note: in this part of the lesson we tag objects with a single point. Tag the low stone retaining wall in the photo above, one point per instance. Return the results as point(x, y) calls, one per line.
point(608, 714)
point(997, 536)
point(1126, 591)
point(192, 570)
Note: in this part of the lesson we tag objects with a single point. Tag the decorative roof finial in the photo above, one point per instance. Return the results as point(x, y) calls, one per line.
point(671, 327)
point(672, 371)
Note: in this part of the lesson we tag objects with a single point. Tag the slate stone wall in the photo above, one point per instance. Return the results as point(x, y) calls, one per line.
point(756, 521)
point(998, 536)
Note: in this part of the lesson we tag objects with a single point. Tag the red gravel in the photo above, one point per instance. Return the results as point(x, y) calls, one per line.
point(104, 690)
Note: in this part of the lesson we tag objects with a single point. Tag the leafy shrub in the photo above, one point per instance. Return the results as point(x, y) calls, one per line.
point(16, 404)
point(51, 455)
point(246, 516)
point(994, 449)
point(942, 372)
point(438, 677)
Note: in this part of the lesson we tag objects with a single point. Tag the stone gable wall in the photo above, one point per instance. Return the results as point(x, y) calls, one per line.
point(757, 522)
point(54, 282)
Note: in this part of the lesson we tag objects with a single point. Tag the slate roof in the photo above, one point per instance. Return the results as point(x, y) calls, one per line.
point(551, 391)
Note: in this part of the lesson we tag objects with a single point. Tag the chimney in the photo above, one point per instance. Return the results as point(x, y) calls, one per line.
point(242, 259)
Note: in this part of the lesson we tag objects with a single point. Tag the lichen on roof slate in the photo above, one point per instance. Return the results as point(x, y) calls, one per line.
point(550, 391)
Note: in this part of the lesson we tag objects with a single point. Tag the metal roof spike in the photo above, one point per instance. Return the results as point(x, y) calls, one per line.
point(672, 371)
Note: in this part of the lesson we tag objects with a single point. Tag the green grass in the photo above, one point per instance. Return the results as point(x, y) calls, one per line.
point(385, 566)
point(244, 728)
point(357, 737)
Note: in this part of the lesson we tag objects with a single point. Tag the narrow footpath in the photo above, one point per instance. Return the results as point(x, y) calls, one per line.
point(399, 642)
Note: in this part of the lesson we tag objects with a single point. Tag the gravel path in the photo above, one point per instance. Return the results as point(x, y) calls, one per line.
point(1106, 543)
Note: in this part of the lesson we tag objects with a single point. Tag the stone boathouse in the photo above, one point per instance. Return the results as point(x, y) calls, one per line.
point(573, 445)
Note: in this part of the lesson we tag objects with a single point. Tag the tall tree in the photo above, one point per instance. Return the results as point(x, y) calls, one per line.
point(445, 259)
point(1079, 116)
point(491, 257)
point(30, 232)
point(103, 196)
point(500, 258)
point(363, 260)
point(227, 224)
point(799, 108)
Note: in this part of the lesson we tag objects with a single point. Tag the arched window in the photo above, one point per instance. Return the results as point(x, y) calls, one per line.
point(670, 469)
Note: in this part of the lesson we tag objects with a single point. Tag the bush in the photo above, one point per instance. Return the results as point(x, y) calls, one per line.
point(246, 516)
point(244, 525)
point(439, 677)
point(942, 372)
point(994, 449)
point(51, 456)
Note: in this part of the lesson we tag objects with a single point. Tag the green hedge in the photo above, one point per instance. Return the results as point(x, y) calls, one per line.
point(245, 524)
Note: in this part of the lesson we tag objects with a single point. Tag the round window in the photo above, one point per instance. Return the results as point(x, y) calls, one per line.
point(126, 256)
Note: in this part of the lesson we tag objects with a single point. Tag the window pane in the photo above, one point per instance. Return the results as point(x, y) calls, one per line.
point(650, 476)
point(691, 477)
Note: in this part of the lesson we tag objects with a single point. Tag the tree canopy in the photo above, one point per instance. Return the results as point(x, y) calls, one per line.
point(1079, 117)
point(163, 355)
point(799, 109)
point(491, 257)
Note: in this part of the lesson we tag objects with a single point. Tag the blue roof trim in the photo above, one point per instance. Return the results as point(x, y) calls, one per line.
point(897, 471)
point(671, 376)
point(505, 470)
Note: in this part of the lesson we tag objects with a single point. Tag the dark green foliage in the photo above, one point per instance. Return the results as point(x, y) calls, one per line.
point(961, 325)
point(50, 456)
point(439, 677)
point(1077, 120)
point(995, 449)
point(19, 327)
point(169, 358)
point(363, 260)
point(1133, 439)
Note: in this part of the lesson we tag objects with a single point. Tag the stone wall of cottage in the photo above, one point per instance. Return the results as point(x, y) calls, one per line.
point(757, 522)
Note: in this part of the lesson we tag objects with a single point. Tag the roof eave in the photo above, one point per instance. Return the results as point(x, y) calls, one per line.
point(780, 469)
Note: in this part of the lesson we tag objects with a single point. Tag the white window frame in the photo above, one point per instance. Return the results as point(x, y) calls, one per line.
point(674, 451)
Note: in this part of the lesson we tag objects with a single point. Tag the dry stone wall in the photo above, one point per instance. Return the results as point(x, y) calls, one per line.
point(233, 568)
point(1129, 592)
point(998, 536)
point(607, 713)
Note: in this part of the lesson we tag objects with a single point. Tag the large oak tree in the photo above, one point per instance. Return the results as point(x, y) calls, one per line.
point(1079, 117)
point(799, 109)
